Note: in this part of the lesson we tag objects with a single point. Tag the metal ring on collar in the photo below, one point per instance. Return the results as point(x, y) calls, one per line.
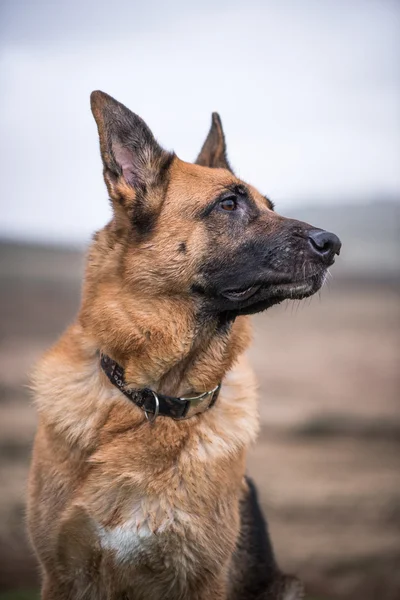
point(156, 409)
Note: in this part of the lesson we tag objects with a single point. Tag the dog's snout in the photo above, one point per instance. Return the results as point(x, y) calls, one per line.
point(324, 243)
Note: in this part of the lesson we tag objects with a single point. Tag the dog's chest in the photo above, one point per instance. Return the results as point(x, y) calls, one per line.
point(170, 541)
point(184, 518)
point(146, 526)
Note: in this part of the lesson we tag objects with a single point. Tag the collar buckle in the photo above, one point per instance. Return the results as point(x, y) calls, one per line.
point(156, 409)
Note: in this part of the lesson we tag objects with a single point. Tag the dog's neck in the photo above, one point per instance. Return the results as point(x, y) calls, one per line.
point(162, 344)
point(213, 351)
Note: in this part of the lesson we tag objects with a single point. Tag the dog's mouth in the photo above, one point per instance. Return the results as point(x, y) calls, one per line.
point(292, 289)
point(240, 295)
point(260, 296)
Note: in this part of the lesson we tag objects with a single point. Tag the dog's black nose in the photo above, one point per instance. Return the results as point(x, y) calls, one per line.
point(324, 243)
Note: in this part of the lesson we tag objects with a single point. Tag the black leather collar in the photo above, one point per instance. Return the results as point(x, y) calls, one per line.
point(152, 402)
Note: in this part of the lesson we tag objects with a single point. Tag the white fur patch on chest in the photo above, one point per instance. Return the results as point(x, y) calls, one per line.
point(127, 541)
point(147, 529)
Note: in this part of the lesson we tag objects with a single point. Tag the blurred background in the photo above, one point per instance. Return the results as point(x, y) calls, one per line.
point(309, 94)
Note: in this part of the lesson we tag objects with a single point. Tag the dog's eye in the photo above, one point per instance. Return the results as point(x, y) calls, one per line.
point(229, 203)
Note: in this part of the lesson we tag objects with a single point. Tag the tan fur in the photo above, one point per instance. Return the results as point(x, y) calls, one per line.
point(117, 503)
point(96, 458)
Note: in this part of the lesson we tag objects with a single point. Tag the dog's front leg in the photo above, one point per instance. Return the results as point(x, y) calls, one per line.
point(217, 590)
point(88, 589)
point(54, 590)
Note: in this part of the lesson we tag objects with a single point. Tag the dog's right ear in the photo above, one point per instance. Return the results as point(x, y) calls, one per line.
point(213, 152)
point(133, 160)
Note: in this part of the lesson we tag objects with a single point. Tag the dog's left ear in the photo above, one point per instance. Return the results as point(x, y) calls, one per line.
point(131, 155)
point(213, 152)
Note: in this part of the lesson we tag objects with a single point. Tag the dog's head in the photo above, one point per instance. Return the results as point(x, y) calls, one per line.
point(196, 230)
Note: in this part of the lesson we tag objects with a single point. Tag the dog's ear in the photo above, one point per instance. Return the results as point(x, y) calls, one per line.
point(131, 156)
point(213, 152)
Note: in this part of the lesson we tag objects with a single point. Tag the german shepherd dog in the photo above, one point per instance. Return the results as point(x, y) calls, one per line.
point(146, 404)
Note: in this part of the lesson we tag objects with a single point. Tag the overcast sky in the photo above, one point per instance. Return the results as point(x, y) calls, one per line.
point(308, 91)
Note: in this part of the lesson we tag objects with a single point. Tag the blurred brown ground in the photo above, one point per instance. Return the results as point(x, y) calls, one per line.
point(327, 459)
